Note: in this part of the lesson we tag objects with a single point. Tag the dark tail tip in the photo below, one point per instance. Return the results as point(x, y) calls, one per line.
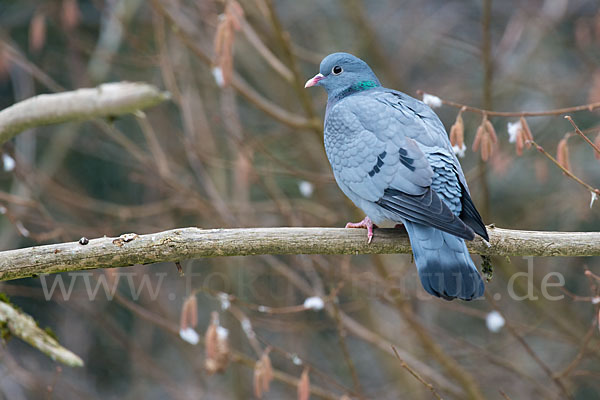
point(451, 283)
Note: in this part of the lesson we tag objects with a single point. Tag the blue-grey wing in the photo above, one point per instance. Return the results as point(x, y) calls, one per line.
point(448, 180)
point(375, 161)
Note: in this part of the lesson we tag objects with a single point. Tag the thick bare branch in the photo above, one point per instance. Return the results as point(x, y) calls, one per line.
point(24, 327)
point(186, 243)
point(109, 99)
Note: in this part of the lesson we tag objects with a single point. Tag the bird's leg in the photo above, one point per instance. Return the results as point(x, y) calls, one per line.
point(398, 226)
point(365, 223)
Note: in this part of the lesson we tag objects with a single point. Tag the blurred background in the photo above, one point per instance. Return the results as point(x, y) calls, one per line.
point(240, 144)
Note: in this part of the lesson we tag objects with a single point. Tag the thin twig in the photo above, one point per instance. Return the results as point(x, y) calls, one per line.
point(504, 394)
point(416, 375)
point(239, 84)
point(237, 356)
point(265, 52)
point(295, 358)
point(566, 171)
point(284, 41)
point(578, 131)
point(509, 326)
point(577, 359)
point(491, 113)
point(345, 351)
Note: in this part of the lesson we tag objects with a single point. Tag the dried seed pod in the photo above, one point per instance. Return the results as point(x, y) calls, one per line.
point(515, 135)
point(594, 91)
point(69, 14)
point(236, 13)
point(4, 62)
point(485, 138)
point(189, 313)
point(257, 380)
point(37, 31)
point(229, 22)
point(527, 136)
point(562, 154)
point(490, 130)
point(263, 374)
point(457, 132)
point(216, 346)
point(304, 386)
point(519, 142)
point(486, 147)
point(478, 136)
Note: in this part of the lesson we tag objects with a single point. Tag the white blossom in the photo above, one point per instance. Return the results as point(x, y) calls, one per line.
point(314, 303)
point(222, 333)
point(224, 299)
point(218, 75)
point(459, 151)
point(264, 309)
point(306, 188)
point(596, 300)
point(189, 335)
point(594, 198)
point(494, 321)
point(296, 360)
point(8, 162)
point(513, 130)
point(431, 100)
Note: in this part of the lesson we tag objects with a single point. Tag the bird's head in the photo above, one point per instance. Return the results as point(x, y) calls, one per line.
point(341, 72)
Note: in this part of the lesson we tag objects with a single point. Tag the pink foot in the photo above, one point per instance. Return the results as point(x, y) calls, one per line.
point(365, 223)
point(398, 226)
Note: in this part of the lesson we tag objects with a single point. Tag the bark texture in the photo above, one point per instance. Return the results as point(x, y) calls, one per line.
point(188, 243)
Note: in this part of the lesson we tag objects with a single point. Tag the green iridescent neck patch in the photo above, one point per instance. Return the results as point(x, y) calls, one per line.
point(364, 85)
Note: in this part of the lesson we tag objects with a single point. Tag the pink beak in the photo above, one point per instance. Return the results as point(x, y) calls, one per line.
point(314, 80)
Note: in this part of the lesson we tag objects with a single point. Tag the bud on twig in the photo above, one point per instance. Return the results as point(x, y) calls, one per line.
point(520, 135)
point(230, 22)
point(304, 386)
point(263, 374)
point(37, 31)
point(485, 138)
point(216, 346)
point(189, 320)
point(70, 14)
point(457, 135)
point(562, 154)
point(189, 313)
point(527, 136)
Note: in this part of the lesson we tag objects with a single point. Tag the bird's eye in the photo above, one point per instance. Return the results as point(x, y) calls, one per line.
point(337, 70)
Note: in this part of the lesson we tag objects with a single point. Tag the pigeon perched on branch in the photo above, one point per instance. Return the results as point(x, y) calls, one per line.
point(391, 156)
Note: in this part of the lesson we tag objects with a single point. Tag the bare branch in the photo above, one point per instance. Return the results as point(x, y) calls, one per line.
point(186, 243)
point(109, 99)
point(578, 131)
point(585, 107)
point(24, 327)
point(417, 376)
point(565, 170)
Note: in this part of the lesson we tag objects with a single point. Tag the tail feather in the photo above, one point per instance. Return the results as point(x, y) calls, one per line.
point(445, 267)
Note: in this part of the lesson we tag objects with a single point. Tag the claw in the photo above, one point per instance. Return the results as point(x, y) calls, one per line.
point(365, 223)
